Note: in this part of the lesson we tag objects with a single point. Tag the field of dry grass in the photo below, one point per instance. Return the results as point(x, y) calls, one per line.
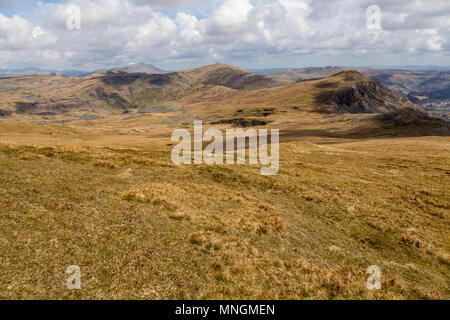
point(141, 228)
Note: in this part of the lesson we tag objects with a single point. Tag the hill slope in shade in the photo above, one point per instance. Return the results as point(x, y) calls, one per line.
point(303, 74)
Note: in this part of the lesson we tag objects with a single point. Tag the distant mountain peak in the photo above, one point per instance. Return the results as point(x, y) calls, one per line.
point(140, 68)
point(140, 64)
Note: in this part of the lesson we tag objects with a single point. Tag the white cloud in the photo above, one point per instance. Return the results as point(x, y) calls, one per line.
point(115, 32)
point(17, 33)
point(167, 2)
point(190, 29)
point(157, 31)
point(230, 17)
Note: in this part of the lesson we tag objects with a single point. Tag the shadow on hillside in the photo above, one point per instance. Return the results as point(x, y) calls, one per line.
point(366, 133)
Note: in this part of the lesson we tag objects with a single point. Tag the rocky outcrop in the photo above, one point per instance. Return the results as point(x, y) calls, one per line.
point(242, 122)
point(4, 113)
point(367, 97)
point(412, 116)
point(26, 107)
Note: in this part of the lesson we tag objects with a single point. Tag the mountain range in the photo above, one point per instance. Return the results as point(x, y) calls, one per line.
point(420, 84)
point(215, 92)
point(135, 67)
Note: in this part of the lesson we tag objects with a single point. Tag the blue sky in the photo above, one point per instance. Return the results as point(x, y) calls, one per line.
point(253, 34)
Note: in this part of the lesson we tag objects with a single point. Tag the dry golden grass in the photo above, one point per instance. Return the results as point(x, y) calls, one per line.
point(141, 228)
point(106, 164)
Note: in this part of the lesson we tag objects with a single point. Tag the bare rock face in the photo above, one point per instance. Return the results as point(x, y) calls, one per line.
point(373, 97)
point(367, 97)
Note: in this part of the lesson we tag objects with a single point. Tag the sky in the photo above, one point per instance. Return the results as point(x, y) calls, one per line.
point(253, 34)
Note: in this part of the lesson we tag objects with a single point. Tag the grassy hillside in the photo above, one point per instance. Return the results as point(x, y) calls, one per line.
point(140, 227)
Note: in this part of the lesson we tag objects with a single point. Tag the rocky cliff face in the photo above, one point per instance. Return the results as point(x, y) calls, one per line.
point(372, 96)
point(367, 97)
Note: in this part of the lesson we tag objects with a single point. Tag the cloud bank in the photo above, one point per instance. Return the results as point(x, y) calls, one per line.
point(253, 33)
